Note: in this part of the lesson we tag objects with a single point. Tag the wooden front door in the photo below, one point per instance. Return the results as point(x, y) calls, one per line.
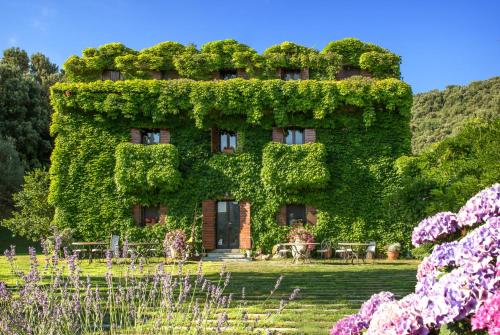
point(228, 225)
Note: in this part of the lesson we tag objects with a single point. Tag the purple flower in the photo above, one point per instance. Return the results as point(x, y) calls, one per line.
point(488, 315)
point(434, 228)
point(481, 207)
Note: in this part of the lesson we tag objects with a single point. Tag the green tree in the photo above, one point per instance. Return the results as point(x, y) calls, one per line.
point(11, 174)
point(17, 58)
point(32, 215)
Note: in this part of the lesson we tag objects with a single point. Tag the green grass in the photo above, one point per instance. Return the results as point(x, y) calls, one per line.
point(329, 289)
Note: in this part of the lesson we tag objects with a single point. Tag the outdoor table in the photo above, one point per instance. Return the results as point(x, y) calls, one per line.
point(141, 248)
point(351, 251)
point(299, 253)
point(88, 246)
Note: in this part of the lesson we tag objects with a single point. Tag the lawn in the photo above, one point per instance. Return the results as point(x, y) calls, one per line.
point(329, 289)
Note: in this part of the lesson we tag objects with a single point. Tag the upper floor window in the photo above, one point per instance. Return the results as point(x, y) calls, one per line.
point(150, 215)
point(290, 74)
point(227, 141)
point(296, 215)
point(228, 74)
point(112, 75)
point(150, 136)
point(293, 136)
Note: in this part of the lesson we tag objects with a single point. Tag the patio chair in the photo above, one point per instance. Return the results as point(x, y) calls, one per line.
point(325, 249)
point(114, 246)
point(342, 251)
point(283, 251)
point(371, 250)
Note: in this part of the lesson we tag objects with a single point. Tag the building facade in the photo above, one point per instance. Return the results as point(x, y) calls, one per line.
point(233, 146)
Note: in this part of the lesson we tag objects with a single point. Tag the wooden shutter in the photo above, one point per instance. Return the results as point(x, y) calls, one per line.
point(245, 230)
point(311, 215)
point(208, 210)
point(164, 136)
point(137, 214)
point(277, 134)
point(304, 73)
point(309, 135)
point(281, 218)
point(135, 136)
point(215, 139)
point(163, 213)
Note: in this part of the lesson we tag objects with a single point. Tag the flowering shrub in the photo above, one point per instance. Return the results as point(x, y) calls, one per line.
point(59, 300)
point(302, 235)
point(459, 280)
point(175, 240)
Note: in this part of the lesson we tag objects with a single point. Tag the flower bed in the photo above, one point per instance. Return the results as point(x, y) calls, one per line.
point(460, 280)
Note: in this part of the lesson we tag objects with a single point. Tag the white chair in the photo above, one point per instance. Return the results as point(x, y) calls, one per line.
point(283, 251)
point(114, 246)
point(326, 248)
point(371, 250)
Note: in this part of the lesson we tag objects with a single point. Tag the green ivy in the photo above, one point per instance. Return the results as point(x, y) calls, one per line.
point(307, 103)
point(192, 63)
point(293, 168)
point(142, 172)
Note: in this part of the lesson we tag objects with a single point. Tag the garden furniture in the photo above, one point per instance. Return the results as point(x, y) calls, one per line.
point(325, 250)
point(283, 251)
point(142, 249)
point(350, 251)
point(90, 247)
point(300, 250)
point(371, 251)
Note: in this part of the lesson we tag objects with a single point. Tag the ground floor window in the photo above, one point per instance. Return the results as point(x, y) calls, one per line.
point(150, 215)
point(296, 215)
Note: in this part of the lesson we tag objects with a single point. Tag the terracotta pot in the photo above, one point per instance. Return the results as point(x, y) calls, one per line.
point(229, 150)
point(392, 255)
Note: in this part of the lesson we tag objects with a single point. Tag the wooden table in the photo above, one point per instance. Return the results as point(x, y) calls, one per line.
point(88, 246)
point(351, 250)
point(299, 253)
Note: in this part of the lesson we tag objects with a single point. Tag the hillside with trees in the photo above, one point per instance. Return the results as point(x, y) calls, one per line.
point(438, 114)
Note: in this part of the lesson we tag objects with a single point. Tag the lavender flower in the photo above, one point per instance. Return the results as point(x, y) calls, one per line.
point(434, 228)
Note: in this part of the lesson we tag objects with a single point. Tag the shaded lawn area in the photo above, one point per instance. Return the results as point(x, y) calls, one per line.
point(330, 289)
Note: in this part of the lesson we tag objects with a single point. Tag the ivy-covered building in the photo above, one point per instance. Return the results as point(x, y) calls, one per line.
point(229, 144)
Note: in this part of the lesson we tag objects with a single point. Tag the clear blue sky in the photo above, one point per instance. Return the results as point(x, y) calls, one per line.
point(441, 42)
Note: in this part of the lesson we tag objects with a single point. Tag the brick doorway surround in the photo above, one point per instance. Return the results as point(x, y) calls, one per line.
point(209, 224)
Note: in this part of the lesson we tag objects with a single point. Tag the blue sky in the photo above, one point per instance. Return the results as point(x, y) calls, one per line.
point(441, 42)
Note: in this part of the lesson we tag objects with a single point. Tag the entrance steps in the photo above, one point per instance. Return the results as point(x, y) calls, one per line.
point(225, 255)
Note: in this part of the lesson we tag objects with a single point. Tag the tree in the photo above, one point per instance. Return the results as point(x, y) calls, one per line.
point(45, 72)
point(33, 214)
point(17, 58)
point(11, 174)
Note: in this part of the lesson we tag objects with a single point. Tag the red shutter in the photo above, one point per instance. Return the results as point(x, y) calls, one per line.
point(304, 73)
point(277, 134)
point(135, 136)
point(215, 139)
point(137, 214)
point(163, 213)
point(164, 136)
point(309, 135)
point(245, 231)
point(281, 218)
point(208, 211)
point(311, 215)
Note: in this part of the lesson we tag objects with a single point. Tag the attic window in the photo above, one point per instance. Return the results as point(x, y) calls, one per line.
point(290, 74)
point(228, 74)
point(293, 136)
point(150, 136)
point(112, 75)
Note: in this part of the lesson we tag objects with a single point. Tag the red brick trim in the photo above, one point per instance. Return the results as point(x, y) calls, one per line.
point(311, 215)
point(304, 73)
point(135, 135)
point(277, 134)
point(208, 210)
point(164, 136)
point(137, 214)
point(245, 229)
point(309, 135)
point(281, 217)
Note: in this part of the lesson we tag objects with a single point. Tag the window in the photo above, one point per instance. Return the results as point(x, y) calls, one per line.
point(228, 74)
point(227, 140)
point(296, 215)
point(150, 136)
point(112, 75)
point(150, 215)
point(293, 136)
point(290, 74)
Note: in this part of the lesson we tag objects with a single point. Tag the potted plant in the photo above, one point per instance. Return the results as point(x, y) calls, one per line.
point(393, 251)
point(175, 243)
point(229, 150)
point(301, 235)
